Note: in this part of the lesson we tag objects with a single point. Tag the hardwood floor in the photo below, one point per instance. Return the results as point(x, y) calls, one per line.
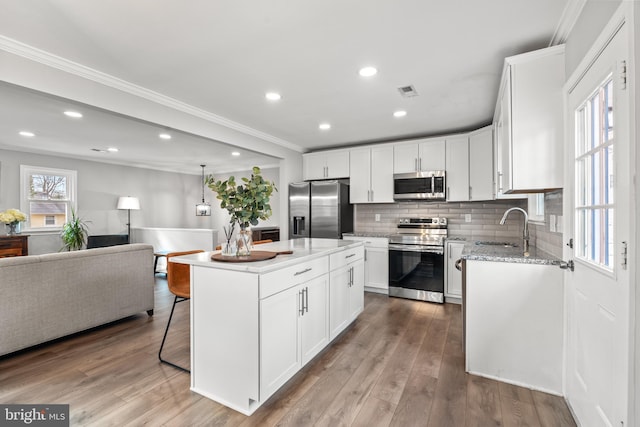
point(399, 364)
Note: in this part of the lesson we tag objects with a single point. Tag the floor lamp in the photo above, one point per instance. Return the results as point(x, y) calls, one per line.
point(128, 203)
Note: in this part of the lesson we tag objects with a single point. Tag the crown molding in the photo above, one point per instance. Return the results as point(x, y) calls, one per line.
point(569, 17)
point(45, 58)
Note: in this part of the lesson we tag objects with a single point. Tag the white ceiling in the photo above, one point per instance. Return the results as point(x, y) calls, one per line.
point(222, 56)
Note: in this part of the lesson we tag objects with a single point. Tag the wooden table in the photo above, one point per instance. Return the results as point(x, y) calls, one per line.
point(16, 245)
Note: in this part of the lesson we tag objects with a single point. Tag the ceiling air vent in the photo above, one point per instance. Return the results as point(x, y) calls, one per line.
point(408, 91)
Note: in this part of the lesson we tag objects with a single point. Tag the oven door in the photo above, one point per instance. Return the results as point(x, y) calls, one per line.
point(416, 272)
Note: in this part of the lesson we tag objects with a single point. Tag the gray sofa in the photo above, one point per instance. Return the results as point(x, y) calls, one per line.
point(44, 297)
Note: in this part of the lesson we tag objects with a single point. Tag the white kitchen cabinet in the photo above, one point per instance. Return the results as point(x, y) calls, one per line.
point(481, 164)
point(528, 119)
point(346, 289)
point(371, 174)
point(279, 346)
point(457, 168)
point(325, 165)
point(294, 328)
point(453, 279)
point(419, 155)
point(513, 327)
point(376, 263)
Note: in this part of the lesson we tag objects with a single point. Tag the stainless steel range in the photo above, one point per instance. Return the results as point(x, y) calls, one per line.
point(416, 259)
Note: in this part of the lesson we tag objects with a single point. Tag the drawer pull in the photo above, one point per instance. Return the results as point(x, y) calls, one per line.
point(303, 271)
point(349, 256)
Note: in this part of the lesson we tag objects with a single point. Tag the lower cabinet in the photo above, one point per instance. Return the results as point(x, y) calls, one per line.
point(376, 263)
point(346, 292)
point(293, 329)
point(453, 280)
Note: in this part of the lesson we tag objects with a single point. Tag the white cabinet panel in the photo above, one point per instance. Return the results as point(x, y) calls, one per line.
point(314, 322)
point(457, 168)
point(453, 287)
point(376, 263)
point(529, 122)
point(371, 175)
point(356, 290)
point(481, 164)
point(419, 155)
point(325, 165)
point(514, 323)
point(279, 348)
point(346, 293)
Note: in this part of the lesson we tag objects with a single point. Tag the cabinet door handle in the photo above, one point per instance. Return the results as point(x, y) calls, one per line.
point(470, 190)
point(349, 256)
point(306, 299)
point(365, 255)
point(415, 164)
point(420, 164)
point(371, 200)
point(301, 301)
point(303, 271)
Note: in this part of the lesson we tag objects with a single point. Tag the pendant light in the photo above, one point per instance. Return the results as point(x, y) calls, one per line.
point(204, 208)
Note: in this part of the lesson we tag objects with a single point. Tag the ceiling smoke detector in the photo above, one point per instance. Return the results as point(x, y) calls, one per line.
point(408, 91)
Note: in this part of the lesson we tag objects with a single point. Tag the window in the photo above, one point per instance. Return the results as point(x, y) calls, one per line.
point(47, 195)
point(594, 178)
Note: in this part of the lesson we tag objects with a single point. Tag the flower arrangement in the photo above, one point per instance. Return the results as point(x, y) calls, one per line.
point(12, 216)
point(246, 203)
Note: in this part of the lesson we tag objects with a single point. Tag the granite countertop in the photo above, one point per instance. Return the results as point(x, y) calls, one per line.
point(303, 250)
point(368, 234)
point(502, 253)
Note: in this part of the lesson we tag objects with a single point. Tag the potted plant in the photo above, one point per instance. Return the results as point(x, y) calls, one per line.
point(74, 233)
point(12, 219)
point(246, 203)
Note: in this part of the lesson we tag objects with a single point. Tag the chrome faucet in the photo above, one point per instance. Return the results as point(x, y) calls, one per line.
point(525, 236)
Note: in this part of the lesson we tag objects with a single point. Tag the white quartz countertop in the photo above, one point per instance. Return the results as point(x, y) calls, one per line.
point(303, 250)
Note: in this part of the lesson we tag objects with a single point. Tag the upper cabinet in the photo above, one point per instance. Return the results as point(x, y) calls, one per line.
point(419, 155)
point(326, 165)
point(481, 164)
point(371, 174)
point(528, 123)
point(457, 168)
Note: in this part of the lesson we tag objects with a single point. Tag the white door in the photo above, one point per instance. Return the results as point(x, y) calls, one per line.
point(457, 167)
point(360, 175)
point(596, 208)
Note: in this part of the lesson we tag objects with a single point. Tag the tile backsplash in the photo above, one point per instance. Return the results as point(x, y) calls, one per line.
point(485, 219)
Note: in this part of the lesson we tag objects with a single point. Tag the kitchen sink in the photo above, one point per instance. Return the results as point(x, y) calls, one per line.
point(492, 243)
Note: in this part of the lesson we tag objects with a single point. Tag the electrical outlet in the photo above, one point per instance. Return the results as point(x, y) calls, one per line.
point(552, 223)
point(467, 217)
point(377, 217)
point(559, 224)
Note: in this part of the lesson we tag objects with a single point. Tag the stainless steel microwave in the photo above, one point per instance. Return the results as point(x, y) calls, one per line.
point(425, 185)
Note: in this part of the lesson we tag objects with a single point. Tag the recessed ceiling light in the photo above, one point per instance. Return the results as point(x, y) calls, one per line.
point(73, 114)
point(273, 96)
point(368, 71)
point(235, 153)
point(324, 126)
point(399, 113)
point(27, 133)
point(164, 136)
point(112, 150)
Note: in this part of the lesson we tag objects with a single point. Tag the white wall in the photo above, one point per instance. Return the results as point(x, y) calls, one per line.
point(166, 199)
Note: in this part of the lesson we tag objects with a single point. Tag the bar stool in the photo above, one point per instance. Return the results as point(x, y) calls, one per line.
point(178, 279)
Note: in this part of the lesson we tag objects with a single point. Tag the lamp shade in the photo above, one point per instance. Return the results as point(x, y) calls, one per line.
point(128, 203)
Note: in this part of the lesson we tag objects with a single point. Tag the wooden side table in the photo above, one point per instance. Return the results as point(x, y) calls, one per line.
point(16, 245)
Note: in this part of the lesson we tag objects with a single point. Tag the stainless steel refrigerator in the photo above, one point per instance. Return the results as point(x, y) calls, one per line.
point(319, 209)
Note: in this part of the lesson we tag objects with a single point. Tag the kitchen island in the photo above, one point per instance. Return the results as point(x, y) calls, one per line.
point(255, 324)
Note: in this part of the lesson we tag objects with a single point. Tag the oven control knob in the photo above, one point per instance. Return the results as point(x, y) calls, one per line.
point(443, 221)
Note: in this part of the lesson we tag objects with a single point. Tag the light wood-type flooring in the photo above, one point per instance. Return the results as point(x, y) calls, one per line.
point(399, 364)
